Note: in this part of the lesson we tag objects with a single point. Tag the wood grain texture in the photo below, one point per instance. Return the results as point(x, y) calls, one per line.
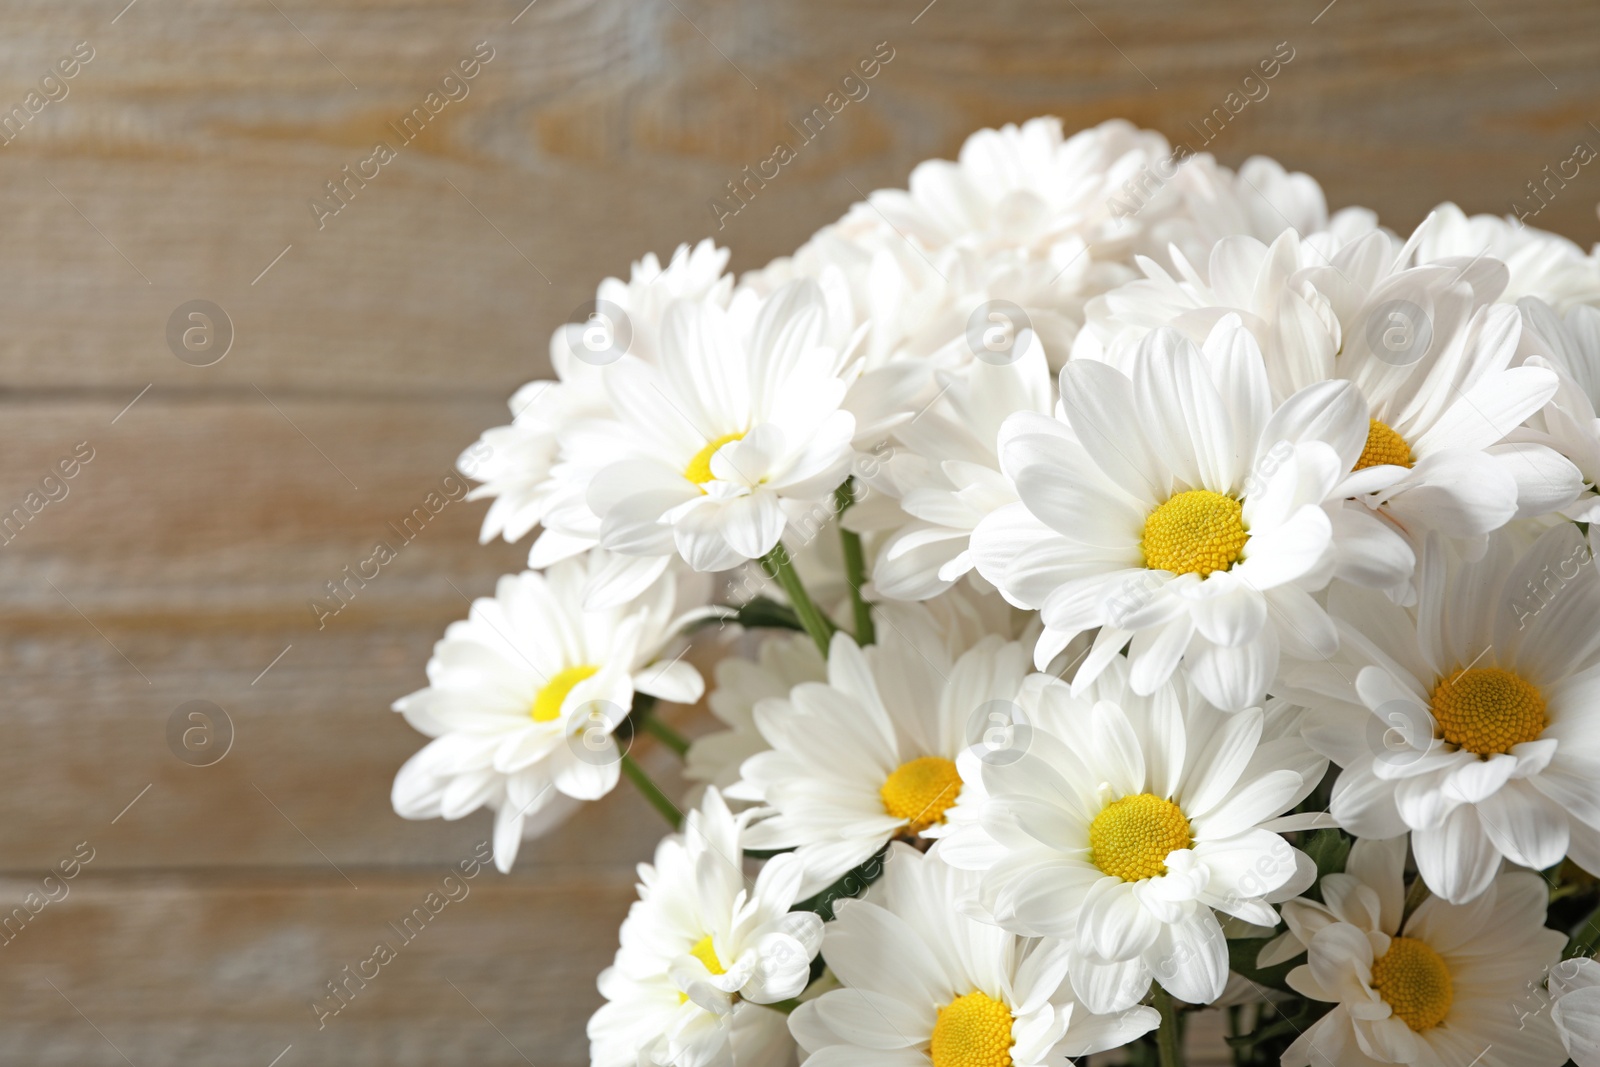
point(182, 164)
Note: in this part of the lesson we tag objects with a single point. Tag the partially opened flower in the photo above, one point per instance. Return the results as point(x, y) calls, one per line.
point(921, 982)
point(870, 755)
point(1446, 984)
point(1473, 719)
point(1179, 510)
point(1126, 820)
point(523, 695)
point(702, 949)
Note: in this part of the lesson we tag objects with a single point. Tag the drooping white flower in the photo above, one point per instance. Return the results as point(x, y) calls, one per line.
point(514, 461)
point(1447, 984)
point(1473, 718)
point(523, 695)
point(1180, 509)
point(870, 755)
point(781, 663)
point(923, 983)
point(702, 950)
point(1575, 986)
point(1126, 822)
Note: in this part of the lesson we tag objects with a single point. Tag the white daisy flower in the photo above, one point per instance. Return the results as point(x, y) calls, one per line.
point(945, 473)
point(1261, 200)
point(1541, 264)
point(523, 695)
point(1447, 984)
point(1575, 987)
point(871, 754)
point(1569, 347)
point(1428, 350)
point(1473, 718)
point(702, 950)
point(782, 662)
point(1019, 187)
point(514, 462)
point(924, 983)
point(1178, 509)
point(740, 417)
point(1127, 820)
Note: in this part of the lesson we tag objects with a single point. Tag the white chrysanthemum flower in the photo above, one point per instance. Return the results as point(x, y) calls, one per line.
point(782, 662)
point(702, 950)
point(1473, 718)
point(871, 754)
point(1177, 508)
point(1448, 984)
point(1541, 263)
point(1428, 350)
point(739, 418)
point(514, 462)
point(1019, 187)
point(1126, 820)
point(945, 473)
point(1570, 348)
point(924, 983)
point(1575, 985)
point(523, 695)
point(1261, 200)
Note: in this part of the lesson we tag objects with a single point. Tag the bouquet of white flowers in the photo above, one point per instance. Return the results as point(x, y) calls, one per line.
point(1138, 592)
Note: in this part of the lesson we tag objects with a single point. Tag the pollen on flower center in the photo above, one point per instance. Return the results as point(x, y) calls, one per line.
point(547, 703)
point(699, 469)
point(706, 954)
point(1487, 710)
point(1413, 980)
point(920, 790)
point(972, 1031)
point(1194, 532)
point(1384, 446)
point(1132, 837)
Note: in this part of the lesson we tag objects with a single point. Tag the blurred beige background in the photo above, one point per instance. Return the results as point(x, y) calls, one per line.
point(179, 163)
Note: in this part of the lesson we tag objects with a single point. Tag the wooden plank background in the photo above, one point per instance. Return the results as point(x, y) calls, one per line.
point(367, 353)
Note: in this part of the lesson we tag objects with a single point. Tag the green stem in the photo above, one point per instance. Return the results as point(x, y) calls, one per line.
point(1167, 1044)
point(778, 564)
point(652, 724)
point(855, 565)
point(652, 792)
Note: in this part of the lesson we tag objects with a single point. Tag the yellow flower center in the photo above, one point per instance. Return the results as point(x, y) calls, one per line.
point(547, 703)
point(972, 1031)
point(1384, 446)
point(1195, 532)
point(1487, 710)
point(699, 469)
point(1131, 838)
point(919, 791)
point(1413, 980)
point(707, 955)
